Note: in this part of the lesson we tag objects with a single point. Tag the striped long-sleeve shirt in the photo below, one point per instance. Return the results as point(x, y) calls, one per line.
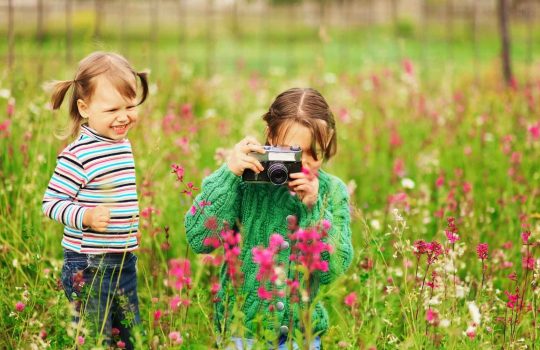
point(91, 171)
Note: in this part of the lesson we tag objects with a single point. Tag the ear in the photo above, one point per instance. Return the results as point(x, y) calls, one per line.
point(83, 108)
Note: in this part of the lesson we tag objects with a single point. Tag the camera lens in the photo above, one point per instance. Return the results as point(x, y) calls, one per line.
point(277, 173)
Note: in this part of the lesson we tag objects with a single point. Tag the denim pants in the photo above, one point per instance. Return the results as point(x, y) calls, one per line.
point(103, 289)
point(247, 344)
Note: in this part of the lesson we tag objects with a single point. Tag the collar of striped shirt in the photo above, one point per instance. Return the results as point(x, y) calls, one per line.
point(88, 131)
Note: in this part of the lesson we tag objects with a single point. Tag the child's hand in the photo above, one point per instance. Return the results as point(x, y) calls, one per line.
point(239, 160)
point(97, 218)
point(306, 186)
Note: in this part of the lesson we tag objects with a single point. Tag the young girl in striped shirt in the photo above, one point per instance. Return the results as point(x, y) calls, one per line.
point(93, 193)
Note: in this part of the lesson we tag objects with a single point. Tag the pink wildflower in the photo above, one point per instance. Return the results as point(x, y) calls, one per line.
point(181, 270)
point(176, 338)
point(408, 66)
point(432, 316)
point(157, 315)
point(179, 171)
point(512, 299)
point(264, 294)
point(19, 306)
point(525, 236)
point(121, 344)
point(482, 251)
point(534, 130)
point(351, 299)
point(527, 262)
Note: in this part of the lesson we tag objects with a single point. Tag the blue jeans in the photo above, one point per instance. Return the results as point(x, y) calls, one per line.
point(239, 343)
point(103, 289)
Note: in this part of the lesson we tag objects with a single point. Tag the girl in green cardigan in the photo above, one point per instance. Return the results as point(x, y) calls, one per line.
point(297, 117)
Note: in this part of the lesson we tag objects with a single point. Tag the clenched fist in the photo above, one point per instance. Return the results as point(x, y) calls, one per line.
point(97, 218)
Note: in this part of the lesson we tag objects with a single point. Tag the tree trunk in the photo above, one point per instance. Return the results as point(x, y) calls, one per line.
point(11, 37)
point(69, 30)
point(504, 15)
point(98, 14)
point(39, 30)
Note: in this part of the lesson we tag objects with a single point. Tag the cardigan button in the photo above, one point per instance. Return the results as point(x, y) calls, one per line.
point(280, 306)
point(284, 245)
point(284, 330)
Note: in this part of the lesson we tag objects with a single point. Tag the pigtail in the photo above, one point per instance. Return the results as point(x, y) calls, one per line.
point(59, 90)
point(143, 76)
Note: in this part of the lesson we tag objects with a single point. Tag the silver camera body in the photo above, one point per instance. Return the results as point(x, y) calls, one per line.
point(278, 163)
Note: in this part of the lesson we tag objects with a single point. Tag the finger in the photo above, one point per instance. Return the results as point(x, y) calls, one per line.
point(245, 149)
point(298, 175)
point(298, 182)
point(303, 188)
point(254, 161)
point(251, 140)
point(249, 165)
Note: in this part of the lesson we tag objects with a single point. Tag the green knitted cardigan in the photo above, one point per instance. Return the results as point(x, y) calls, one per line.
point(261, 210)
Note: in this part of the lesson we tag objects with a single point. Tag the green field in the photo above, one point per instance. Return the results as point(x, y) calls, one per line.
point(415, 148)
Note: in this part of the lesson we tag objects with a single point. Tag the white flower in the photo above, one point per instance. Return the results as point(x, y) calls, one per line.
point(407, 183)
point(444, 323)
point(475, 313)
point(375, 224)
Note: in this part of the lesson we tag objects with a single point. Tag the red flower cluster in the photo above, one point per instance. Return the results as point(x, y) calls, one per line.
point(431, 249)
point(482, 251)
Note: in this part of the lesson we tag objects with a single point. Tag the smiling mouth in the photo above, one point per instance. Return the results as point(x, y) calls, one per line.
point(120, 129)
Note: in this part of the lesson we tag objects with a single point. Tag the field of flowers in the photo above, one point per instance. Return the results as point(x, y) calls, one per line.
point(440, 168)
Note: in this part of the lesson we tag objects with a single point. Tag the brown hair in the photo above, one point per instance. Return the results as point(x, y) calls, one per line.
point(307, 107)
point(117, 70)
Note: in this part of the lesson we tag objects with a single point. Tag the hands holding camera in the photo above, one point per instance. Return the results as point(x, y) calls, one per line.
point(305, 183)
point(239, 160)
point(306, 186)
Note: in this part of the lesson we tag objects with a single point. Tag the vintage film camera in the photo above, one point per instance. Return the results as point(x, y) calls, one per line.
point(278, 163)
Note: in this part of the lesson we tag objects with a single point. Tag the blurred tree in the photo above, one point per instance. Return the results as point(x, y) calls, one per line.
point(69, 30)
point(503, 10)
point(40, 35)
point(11, 37)
point(98, 17)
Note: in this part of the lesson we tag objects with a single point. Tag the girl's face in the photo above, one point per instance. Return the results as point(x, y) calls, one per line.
point(299, 135)
point(108, 112)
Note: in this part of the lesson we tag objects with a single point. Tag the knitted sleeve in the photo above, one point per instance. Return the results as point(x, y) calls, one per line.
point(218, 201)
point(336, 210)
point(68, 178)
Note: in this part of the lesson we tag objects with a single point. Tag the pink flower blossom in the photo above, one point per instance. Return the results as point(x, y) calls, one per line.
point(179, 171)
point(482, 251)
point(215, 288)
point(440, 181)
point(264, 294)
point(525, 237)
point(19, 306)
point(451, 231)
point(121, 344)
point(351, 299)
point(512, 276)
point(432, 316)
point(527, 262)
point(180, 270)
point(157, 315)
point(534, 131)
point(176, 338)
point(80, 340)
point(408, 66)
point(512, 299)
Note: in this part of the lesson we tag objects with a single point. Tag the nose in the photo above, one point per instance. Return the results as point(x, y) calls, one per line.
point(122, 116)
